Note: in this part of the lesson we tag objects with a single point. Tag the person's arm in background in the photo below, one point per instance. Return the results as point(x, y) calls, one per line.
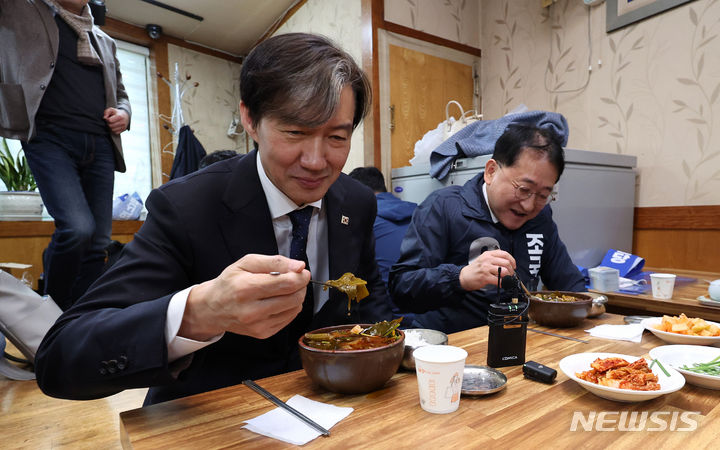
point(118, 117)
point(377, 306)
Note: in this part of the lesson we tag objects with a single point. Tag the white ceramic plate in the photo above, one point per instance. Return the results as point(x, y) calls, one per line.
point(580, 362)
point(708, 301)
point(677, 356)
point(676, 338)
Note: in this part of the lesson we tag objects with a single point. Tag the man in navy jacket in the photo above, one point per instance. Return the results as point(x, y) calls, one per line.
point(205, 295)
point(442, 274)
point(393, 218)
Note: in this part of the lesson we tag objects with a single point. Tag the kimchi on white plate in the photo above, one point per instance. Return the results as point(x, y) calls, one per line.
point(581, 362)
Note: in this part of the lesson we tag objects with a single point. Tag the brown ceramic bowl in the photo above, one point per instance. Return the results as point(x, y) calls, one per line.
point(560, 314)
point(354, 371)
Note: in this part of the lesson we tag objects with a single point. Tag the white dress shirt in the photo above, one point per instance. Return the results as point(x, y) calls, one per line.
point(492, 214)
point(280, 205)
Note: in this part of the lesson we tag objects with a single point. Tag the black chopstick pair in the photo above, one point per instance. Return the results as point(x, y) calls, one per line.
point(255, 387)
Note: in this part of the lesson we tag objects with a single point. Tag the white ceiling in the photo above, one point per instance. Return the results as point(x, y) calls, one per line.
point(232, 26)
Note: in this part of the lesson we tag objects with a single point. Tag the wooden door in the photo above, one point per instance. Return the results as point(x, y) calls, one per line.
point(420, 86)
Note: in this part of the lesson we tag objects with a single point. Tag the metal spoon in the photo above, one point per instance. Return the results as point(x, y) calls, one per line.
point(312, 281)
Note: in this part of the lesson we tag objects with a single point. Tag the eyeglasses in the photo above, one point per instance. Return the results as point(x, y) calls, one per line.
point(523, 193)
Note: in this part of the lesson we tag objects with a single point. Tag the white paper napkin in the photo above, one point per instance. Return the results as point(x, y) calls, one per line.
point(280, 424)
point(632, 332)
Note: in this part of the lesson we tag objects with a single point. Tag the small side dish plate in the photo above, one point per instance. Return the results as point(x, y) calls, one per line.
point(677, 356)
point(707, 301)
point(580, 362)
point(676, 338)
point(482, 380)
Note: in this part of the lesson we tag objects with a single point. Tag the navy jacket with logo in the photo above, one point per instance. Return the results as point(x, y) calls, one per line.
point(426, 278)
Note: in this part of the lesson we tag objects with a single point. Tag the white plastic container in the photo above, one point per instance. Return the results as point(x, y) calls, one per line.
point(604, 279)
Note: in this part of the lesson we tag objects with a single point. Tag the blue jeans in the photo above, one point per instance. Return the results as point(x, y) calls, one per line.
point(75, 174)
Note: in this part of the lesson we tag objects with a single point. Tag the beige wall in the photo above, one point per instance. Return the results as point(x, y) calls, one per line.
point(209, 107)
point(455, 20)
point(655, 94)
point(341, 22)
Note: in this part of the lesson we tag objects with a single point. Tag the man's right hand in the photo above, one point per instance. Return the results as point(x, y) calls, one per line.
point(483, 270)
point(245, 299)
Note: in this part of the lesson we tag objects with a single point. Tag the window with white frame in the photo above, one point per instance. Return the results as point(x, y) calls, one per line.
point(138, 141)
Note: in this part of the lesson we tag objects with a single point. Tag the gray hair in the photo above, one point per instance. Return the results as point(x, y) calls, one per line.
point(298, 77)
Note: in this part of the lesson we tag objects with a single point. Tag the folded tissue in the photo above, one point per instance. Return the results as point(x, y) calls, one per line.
point(632, 332)
point(280, 424)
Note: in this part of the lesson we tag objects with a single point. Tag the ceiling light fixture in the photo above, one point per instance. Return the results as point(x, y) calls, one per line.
point(174, 9)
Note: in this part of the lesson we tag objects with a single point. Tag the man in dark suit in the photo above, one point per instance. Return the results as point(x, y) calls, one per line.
point(214, 287)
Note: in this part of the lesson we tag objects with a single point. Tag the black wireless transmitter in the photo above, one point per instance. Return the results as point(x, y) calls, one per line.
point(507, 323)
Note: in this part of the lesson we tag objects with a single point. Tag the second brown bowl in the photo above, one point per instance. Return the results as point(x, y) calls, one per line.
point(557, 314)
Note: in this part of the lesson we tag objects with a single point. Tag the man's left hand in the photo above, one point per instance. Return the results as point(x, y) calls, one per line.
point(117, 119)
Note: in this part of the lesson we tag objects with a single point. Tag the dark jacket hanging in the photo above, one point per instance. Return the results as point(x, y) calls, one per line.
point(188, 153)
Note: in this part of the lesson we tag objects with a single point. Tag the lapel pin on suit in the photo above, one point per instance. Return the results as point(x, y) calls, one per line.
point(345, 220)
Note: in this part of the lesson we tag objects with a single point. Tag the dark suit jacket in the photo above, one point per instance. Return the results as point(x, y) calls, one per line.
point(114, 337)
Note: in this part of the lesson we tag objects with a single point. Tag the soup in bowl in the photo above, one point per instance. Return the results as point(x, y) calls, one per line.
point(559, 309)
point(346, 362)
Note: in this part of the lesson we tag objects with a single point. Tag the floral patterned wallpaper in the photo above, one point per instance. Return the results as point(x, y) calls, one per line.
point(341, 22)
point(208, 108)
point(455, 20)
point(653, 90)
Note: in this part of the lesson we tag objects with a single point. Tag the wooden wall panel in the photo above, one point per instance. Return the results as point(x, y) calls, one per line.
point(24, 242)
point(679, 249)
point(681, 237)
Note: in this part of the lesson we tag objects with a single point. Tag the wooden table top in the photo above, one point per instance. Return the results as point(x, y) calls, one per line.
point(684, 299)
point(525, 413)
point(31, 420)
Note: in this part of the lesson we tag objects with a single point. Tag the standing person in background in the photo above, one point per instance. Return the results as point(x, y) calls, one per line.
point(393, 218)
point(62, 96)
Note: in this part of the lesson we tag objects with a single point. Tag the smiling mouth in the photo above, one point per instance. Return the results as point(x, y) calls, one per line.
point(310, 182)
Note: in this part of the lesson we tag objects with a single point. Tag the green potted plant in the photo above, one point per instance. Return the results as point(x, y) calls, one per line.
point(20, 201)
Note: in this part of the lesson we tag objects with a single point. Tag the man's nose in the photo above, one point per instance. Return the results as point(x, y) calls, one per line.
point(313, 155)
point(529, 203)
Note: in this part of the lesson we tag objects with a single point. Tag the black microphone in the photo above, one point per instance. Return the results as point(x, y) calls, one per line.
point(509, 283)
point(480, 246)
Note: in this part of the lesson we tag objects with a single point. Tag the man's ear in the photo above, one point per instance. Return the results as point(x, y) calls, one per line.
point(246, 122)
point(491, 169)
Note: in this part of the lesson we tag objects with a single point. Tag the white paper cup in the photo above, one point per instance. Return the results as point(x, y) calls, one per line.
point(662, 285)
point(439, 371)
